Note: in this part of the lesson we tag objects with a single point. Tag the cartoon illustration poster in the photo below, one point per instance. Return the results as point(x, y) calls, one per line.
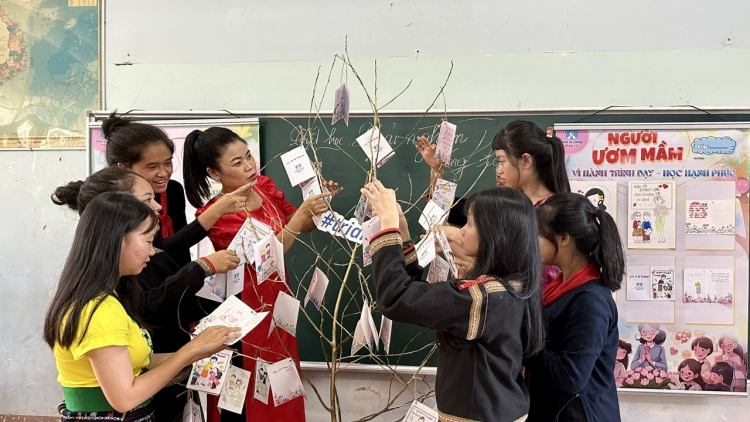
point(682, 187)
point(651, 215)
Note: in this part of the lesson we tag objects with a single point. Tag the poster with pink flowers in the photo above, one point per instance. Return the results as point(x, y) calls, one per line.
point(679, 192)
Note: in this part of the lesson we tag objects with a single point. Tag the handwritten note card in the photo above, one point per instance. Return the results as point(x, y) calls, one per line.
point(232, 313)
point(297, 165)
point(375, 146)
point(445, 142)
point(317, 290)
point(285, 313)
point(285, 382)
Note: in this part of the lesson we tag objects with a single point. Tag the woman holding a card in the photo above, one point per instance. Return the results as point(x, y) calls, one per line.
point(528, 159)
point(148, 151)
point(488, 321)
point(168, 301)
point(101, 351)
point(571, 378)
point(219, 154)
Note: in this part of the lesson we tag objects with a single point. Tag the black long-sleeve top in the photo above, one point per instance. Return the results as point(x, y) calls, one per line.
point(185, 235)
point(169, 302)
point(479, 327)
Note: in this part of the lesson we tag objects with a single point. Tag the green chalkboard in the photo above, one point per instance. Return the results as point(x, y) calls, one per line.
point(343, 161)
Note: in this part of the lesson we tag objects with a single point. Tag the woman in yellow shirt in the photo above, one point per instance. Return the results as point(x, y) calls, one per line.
point(101, 352)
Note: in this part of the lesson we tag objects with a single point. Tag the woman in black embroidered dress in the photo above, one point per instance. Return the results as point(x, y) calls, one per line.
point(486, 323)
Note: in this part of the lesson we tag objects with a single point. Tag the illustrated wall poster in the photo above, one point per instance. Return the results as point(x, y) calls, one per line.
point(679, 188)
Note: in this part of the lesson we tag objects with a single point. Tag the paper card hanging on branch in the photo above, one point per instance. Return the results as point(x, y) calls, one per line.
point(232, 313)
point(310, 187)
point(262, 386)
point(220, 286)
point(385, 333)
point(371, 331)
point(439, 269)
point(243, 243)
point(208, 374)
point(445, 142)
point(334, 223)
point(444, 194)
point(297, 165)
point(432, 215)
point(341, 105)
point(214, 287)
point(317, 290)
point(421, 413)
point(192, 410)
point(269, 258)
point(285, 313)
point(235, 280)
point(426, 249)
point(285, 382)
point(375, 146)
point(233, 394)
point(363, 210)
point(447, 252)
point(369, 228)
point(359, 339)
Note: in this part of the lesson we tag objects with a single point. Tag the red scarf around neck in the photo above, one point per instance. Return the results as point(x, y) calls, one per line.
point(557, 289)
point(164, 219)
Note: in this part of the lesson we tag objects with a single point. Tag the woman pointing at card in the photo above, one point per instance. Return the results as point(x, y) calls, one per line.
point(101, 351)
point(486, 323)
point(219, 154)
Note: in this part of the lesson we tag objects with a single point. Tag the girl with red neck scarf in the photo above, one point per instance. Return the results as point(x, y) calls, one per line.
point(571, 378)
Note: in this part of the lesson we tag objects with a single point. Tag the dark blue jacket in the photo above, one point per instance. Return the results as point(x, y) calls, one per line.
point(574, 373)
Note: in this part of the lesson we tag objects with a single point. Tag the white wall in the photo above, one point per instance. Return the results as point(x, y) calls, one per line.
point(260, 55)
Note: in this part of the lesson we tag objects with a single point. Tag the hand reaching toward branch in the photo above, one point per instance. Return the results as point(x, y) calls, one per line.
point(427, 150)
point(383, 201)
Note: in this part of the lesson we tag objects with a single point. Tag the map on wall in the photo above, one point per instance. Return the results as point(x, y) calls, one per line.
point(49, 72)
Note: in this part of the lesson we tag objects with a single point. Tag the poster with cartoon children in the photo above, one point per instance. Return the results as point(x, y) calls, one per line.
point(208, 374)
point(651, 215)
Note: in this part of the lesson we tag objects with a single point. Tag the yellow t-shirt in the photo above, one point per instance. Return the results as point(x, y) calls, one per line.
point(110, 326)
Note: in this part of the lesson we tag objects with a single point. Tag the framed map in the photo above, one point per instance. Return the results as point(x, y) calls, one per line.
point(49, 72)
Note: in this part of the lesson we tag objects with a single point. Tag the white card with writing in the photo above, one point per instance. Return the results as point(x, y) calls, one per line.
point(317, 290)
point(444, 194)
point(244, 241)
point(445, 142)
point(371, 332)
point(341, 105)
point(208, 374)
point(310, 187)
point(363, 209)
point(375, 146)
point(214, 287)
point(232, 313)
point(233, 394)
point(235, 280)
point(385, 333)
point(418, 412)
point(369, 228)
point(359, 339)
point(191, 412)
point(426, 250)
point(262, 386)
point(285, 313)
point(438, 270)
point(297, 165)
point(285, 382)
point(447, 252)
point(432, 215)
point(269, 258)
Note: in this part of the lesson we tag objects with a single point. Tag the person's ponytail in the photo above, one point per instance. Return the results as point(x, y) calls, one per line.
point(608, 255)
point(194, 171)
point(68, 194)
point(557, 179)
